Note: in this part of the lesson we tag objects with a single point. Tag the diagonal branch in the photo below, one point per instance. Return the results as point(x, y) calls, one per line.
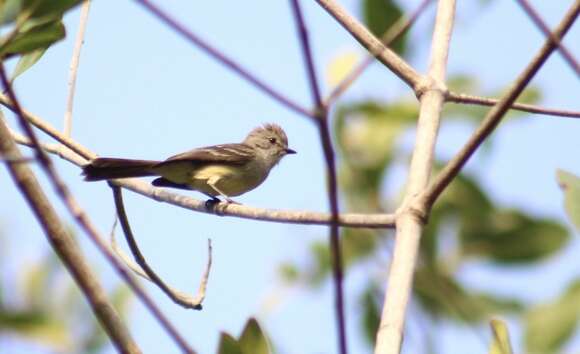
point(83, 220)
point(391, 35)
point(375, 47)
point(533, 14)
point(147, 272)
point(321, 120)
point(222, 58)
point(65, 246)
point(495, 115)
point(482, 101)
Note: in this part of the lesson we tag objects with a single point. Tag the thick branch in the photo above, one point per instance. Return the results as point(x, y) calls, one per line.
point(495, 115)
point(64, 245)
point(409, 226)
point(386, 56)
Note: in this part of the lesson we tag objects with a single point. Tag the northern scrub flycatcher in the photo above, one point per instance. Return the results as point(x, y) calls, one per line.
point(221, 170)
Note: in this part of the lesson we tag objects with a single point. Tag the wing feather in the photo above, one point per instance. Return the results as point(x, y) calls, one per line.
point(234, 154)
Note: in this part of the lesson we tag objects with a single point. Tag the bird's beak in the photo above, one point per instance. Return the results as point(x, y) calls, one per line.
point(290, 151)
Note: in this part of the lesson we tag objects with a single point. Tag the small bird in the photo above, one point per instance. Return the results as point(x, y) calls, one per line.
point(226, 170)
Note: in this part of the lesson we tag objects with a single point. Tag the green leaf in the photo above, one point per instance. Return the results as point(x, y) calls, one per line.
point(357, 244)
point(570, 185)
point(550, 325)
point(510, 236)
point(51, 9)
point(289, 272)
point(229, 345)
point(26, 61)
point(440, 294)
point(34, 38)
point(366, 134)
point(501, 338)
point(370, 313)
point(253, 340)
point(379, 16)
point(9, 10)
point(41, 11)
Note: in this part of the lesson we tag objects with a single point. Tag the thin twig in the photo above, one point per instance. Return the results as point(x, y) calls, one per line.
point(483, 101)
point(177, 296)
point(533, 14)
point(409, 225)
point(74, 66)
point(65, 246)
point(495, 115)
point(85, 223)
point(391, 35)
point(322, 123)
point(79, 154)
point(222, 58)
point(375, 47)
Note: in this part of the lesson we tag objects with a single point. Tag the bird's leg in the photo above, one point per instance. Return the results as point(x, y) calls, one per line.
point(212, 182)
point(211, 203)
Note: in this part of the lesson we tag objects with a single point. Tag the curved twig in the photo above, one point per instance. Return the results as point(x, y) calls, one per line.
point(143, 269)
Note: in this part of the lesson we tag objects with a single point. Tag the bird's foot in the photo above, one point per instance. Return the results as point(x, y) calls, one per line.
point(210, 204)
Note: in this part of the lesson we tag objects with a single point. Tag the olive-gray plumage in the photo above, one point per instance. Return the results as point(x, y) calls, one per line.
point(221, 170)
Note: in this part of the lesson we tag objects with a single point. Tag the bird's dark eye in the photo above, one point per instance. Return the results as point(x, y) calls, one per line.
point(272, 140)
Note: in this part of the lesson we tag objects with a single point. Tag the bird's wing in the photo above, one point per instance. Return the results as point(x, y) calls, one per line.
point(234, 154)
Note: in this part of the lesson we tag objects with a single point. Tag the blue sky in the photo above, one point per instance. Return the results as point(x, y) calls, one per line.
point(143, 92)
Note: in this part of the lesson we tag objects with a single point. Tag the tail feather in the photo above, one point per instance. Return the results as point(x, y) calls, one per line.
point(109, 168)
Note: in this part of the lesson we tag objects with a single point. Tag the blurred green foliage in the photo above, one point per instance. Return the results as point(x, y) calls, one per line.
point(253, 340)
point(46, 307)
point(465, 225)
point(500, 343)
point(570, 185)
point(30, 27)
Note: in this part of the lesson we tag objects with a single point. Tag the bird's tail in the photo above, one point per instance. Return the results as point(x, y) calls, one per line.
point(109, 168)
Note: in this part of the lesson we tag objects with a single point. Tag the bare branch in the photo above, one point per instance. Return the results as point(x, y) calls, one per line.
point(79, 154)
point(222, 58)
point(74, 66)
point(533, 14)
point(177, 296)
point(495, 115)
point(482, 101)
point(391, 35)
point(409, 225)
point(83, 220)
point(65, 246)
point(48, 129)
point(375, 47)
point(321, 115)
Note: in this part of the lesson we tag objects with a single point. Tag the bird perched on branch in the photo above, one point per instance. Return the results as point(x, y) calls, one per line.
point(226, 170)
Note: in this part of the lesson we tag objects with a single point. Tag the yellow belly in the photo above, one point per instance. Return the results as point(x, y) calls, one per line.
point(231, 180)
